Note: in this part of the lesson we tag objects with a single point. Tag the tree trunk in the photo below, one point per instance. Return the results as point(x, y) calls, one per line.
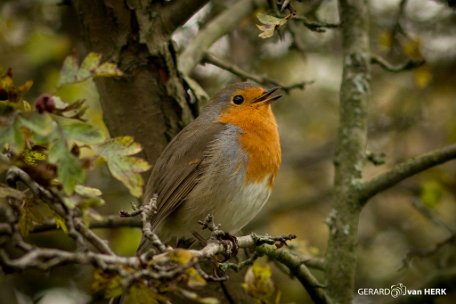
point(149, 102)
point(350, 151)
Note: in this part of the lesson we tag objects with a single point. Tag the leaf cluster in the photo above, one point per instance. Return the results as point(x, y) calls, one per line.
point(56, 145)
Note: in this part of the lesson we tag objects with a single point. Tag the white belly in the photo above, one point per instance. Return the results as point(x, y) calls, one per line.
point(232, 207)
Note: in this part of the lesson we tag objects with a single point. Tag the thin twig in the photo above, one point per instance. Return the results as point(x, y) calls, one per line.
point(76, 228)
point(408, 65)
point(109, 221)
point(428, 214)
point(316, 26)
point(244, 75)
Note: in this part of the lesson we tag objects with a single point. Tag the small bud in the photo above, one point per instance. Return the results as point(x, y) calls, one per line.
point(75, 150)
point(45, 103)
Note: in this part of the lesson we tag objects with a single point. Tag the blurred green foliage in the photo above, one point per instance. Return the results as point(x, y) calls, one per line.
point(410, 113)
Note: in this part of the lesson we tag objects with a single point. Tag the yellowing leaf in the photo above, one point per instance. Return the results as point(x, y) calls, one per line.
point(107, 70)
point(141, 294)
point(385, 40)
point(108, 282)
point(31, 157)
point(60, 223)
point(89, 64)
point(194, 278)
point(267, 31)
point(431, 193)
point(11, 92)
point(268, 19)
point(181, 256)
point(122, 166)
point(124, 145)
point(91, 67)
point(423, 76)
point(270, 24)
point(257, 281)
point(412, 48)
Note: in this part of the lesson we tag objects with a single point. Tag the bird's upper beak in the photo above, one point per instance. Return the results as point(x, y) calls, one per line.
point(266, 96)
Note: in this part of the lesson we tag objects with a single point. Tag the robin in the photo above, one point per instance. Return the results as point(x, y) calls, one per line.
point(223, 163)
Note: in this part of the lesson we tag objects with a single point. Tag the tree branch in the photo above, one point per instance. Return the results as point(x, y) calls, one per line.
point(173, 14)
point(408, 65)
point(297, 267)
point(404, 170)
point(76, 228)
point(224, 23)
point(316, 26)
point(244, 75)
point(110, 221)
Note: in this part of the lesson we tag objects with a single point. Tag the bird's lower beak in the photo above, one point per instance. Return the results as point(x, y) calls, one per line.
point(267, 97)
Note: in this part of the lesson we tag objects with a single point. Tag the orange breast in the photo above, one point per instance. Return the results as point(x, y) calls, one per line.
point(259, 139)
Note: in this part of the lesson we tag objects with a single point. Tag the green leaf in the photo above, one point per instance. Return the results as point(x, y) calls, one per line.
point(69, 169)
point(41, 124)
point(122, 166)
point(69, 71)
point(80, 131)
point(13, 136)
point(431, 193)
point(90, 196)
point(87, 191)
point(90, 63)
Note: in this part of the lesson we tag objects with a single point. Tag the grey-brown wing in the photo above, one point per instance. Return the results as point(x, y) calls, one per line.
point(179, 167)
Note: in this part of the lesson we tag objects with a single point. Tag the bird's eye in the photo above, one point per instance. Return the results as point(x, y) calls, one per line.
point(238, 99)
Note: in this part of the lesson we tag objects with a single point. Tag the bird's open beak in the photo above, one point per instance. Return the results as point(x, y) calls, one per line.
point(266, 96)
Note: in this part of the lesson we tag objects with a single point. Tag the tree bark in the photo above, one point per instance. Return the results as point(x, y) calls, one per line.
point(350, 151)
point(149, 102)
